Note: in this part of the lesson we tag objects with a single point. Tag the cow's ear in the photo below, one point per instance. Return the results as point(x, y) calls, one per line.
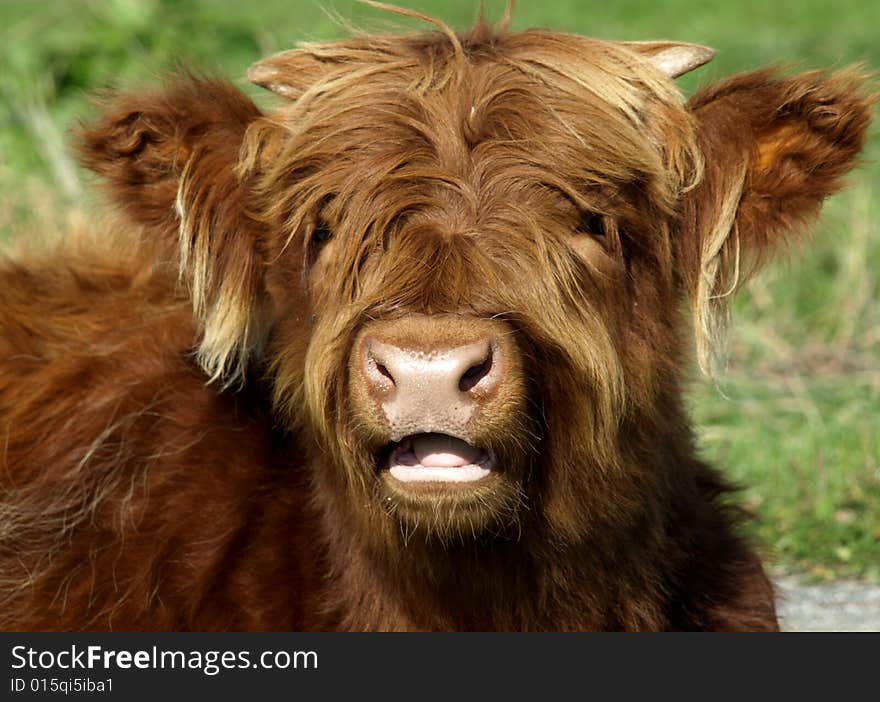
point(169, 159)
point(774, 148)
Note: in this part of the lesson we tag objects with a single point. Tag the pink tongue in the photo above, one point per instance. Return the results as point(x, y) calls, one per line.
point(441, 451)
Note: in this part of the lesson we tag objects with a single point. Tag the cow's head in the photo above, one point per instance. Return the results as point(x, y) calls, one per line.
point(460, 260)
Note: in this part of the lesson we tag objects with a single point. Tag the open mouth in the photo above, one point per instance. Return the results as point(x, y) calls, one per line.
point(438, 458)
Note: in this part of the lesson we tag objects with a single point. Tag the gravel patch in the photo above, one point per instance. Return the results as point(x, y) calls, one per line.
point(839, 606)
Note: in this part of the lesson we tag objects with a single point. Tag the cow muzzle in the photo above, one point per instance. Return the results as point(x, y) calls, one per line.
point(435, 390)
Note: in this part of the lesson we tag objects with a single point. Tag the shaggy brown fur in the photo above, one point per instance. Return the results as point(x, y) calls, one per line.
point(547, 195)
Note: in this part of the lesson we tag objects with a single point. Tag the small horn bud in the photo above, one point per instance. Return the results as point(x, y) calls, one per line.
point(672, 58)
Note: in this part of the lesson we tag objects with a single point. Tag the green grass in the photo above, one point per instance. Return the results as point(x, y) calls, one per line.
point(797, 416)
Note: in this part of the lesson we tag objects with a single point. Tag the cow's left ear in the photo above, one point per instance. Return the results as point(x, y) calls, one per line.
point(774, 148)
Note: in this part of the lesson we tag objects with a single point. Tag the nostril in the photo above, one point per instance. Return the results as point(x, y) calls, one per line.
point(384, 372)
point(476, 373)
point(377, 373)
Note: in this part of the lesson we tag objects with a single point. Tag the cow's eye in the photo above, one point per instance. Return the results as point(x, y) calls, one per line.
point(592, 224)
point(321, 233)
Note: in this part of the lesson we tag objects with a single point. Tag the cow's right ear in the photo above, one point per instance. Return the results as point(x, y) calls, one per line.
point(169, 158)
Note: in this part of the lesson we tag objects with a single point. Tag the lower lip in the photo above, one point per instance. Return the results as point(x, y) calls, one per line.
point(420, 474)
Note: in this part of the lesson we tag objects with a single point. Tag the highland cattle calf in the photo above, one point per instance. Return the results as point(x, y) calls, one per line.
point(406, 351)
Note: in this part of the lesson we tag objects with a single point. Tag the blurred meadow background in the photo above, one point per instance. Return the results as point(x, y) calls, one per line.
point(796, 417)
